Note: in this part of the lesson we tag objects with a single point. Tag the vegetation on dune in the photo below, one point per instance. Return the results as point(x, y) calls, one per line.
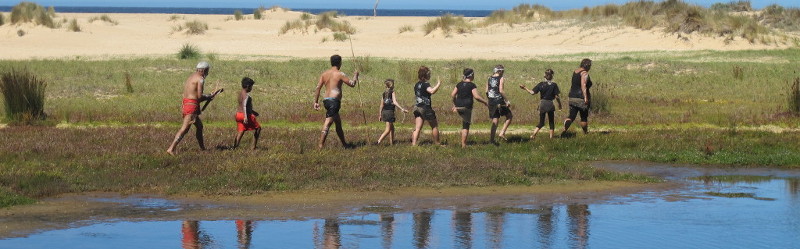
point(257, 13)
point(448, 23)
point(23, 95)
point(237, 15)
point(405, 28)
point(326, 20)
point(74, 26)
point(2, 19)
point(28, 12)
point(173, 18)
point(195, 27)
point(104, 18)
point(672, 16)
point(188, 51)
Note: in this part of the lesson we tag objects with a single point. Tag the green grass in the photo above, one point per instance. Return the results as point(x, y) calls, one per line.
point(257, 13)
point(188, 51)
point(2, 19)
point(26, 12)
point(23, 95)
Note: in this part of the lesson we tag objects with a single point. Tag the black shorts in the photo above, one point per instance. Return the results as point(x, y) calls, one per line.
point(388, 116)
point(426, 113)
point(495, 111)
point(332, 107)
point(577, 106)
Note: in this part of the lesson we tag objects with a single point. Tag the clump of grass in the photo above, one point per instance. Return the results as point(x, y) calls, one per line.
point(104, 18)
point(128, 82)
point(362, 64)
point(448, 23)
point(20, 33)
point(601, 96)
point(294, 25)
point(2, 19)
point(173, 18)
point(211, 56)
point(26, 12)
point(779, 17)
point(520, 14)
point(737, 6)
point(238, 15)
point(23, 95)
point(74, 26)
point(188, 51)
point(794, 97)
point(9, 198)
point(192, 28)
point(257, 13)
point(340, 36)
point(325, 20)
point(738, 72)
point(306, 16)
point(406, 28)
point(275, 8)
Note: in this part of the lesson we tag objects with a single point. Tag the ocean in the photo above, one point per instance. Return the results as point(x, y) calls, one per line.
point(229, 11)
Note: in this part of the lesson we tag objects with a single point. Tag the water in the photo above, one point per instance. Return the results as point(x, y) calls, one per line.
point(697, 215)
point(230, 11)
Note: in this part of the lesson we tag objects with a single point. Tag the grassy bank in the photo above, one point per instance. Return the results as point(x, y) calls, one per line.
point(707, 87)
point(43, 161)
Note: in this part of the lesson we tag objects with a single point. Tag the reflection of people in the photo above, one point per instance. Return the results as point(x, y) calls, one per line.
point(463, 227)
point(579, 224)
point(423, 110)
point(422, 228)
point(245, 115)
point(546, 227)
point(192, 97)
point(580, 99)
point(548, 91)
point(331, 235)
point(494, 228)
point(244, 231)
point(498, 103)
point(332, 79)
point(462, 95)
point(190, 230)
point(387, 229)
point(388, 104)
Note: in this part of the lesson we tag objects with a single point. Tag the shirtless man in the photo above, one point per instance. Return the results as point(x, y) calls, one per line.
point(332, 79)
point(192, 97)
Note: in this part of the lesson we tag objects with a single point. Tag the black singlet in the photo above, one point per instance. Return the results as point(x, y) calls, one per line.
point(495, 98)
point(575, 91)
point(423, 96)
point(464, 94)
point(388, 102)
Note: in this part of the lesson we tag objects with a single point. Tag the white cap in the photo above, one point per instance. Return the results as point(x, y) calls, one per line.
point(203, 65)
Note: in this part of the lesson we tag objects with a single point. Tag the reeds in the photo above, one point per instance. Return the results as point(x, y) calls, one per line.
point(188, 51)
point(23, 95)
point(448, 23)
point(26, 12)
point(74, 26)
point(105, 18)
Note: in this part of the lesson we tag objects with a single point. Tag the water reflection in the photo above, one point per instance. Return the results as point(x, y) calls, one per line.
point(494, 229)
point(422, 228)
point(387, 229)
point(331, 235)
point(579, 225)
point(545, 229)
point(244, 231)
point(793, 185)
point(463, 229)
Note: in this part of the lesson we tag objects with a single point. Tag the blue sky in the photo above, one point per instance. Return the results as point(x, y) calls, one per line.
point(367, 4)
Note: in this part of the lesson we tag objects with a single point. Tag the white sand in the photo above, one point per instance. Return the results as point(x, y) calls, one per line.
point(148, 35)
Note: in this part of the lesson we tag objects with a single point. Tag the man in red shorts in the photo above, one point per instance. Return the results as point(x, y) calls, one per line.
point(245, 116)
point(192, 96)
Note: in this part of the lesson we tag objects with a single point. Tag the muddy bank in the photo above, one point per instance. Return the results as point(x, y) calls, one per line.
point(90, 208)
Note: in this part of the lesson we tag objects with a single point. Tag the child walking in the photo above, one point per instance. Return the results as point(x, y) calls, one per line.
point(549, 92)
point(245, 115)
point(386, 112)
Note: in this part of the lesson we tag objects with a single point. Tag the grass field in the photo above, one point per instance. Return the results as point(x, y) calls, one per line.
point(698, 107)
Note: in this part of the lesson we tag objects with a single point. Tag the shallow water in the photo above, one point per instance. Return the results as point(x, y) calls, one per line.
point(709, 213)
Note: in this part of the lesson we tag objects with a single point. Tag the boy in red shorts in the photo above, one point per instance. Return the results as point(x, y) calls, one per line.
point(245, 116)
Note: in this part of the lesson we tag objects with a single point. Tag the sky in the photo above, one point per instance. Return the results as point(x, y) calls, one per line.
point(368, 4)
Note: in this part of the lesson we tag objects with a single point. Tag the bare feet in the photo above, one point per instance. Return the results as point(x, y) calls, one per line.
point(171, 153)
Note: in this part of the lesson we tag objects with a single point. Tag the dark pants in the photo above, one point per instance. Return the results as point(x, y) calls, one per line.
point(551, 115)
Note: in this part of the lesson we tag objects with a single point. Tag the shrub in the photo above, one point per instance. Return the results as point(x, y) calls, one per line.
point(128, 83)
point(406, 28)
point(20, 33)
point(25, 12)
point(2, 19)
point(794, 96)
point(104, 18)
point(257, 13)
point(23, 94)
point(188, 51)
point(173, 18)
point(290, 25)
point(238, 15)
point(305, 16)
point(738, 6)
point(448, 23)
point(196, 27)
point(601, 96)
point(73, 26)
point(340, 36)
point(780, 17)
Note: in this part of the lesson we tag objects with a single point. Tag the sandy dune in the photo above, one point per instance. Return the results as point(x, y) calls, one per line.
point(145, 35)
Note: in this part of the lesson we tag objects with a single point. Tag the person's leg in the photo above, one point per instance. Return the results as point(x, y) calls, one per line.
point(198, 124)
point(435, 131)
point(464, 134)
point(339, 131)
point(509, 117)
point(493, 130)
point(237, 139)
point(573, 112)
point(385, 133)
point(326, 125)
point(187, 122)
point(391, 133)
point(539, 125)
point(256, 134)
point(418, 122)
point(551, 115)
point(585, 121)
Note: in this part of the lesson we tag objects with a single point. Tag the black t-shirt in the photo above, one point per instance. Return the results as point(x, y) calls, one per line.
point(464, 94)
point(493, 93)
point(575, 91)
point(388, 102)
point(547, 91)
point(423, 96)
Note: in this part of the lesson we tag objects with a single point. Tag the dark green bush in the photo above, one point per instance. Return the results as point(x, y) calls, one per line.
point(189, 51)
point(23, 95)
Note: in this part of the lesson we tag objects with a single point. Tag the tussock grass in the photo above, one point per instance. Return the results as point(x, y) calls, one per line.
point(188, 51)
point(105, 18)
point(794, 97)
point(325, 20)
point(2, 19)
point(128, 83)
point(23, 95)
point(174, 18)
point(27, 12)
point(779, 17)
point(195, 27)
point(601, 99)
point(340, 36)
point(448, 23)
point(74, 26)
point(257, 13)
point(520, 14)
point(736, 6)
point(405, 28)
point(237, 15)
point(295, 25)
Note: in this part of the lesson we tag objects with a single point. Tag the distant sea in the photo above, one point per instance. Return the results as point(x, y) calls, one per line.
point(229, 11)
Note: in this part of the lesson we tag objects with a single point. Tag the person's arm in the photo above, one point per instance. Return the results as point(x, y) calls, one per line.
point(200, 96)
point(394, 100)
point(316, 93)
point(526, 89)
point(558, 100)
point(453, 94)
point(433, 90)
point(478, 97)
point(584, 78)
point(350, 82)
point(246, 111)
point(502, 90)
